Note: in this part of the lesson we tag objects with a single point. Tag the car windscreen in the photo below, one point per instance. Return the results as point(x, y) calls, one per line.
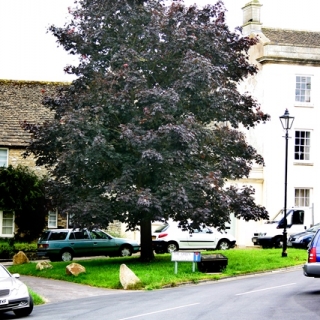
point(162, 228)
point(313, 229)
point(3, 273)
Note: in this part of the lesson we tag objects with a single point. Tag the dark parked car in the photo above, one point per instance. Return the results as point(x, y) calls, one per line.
point(302, 239)
point(312, 267)
point(14, 295)
point(64, 244)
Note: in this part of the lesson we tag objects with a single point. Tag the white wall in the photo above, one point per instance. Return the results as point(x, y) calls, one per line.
point(275, 90)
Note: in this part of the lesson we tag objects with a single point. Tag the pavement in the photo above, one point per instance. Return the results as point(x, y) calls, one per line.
point(53, 291)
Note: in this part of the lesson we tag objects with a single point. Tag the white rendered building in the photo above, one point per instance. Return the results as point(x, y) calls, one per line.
point(288, 78)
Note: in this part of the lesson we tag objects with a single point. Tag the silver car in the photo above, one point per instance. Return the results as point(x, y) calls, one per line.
point(14, 295)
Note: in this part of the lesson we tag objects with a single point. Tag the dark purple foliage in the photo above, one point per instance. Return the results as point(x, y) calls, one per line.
point(130, 140)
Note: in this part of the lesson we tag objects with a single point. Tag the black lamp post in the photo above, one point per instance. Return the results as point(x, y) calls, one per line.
point(286, 122)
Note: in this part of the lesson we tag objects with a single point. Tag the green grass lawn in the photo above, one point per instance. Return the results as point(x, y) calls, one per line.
point(104, 272)
point(37, 300)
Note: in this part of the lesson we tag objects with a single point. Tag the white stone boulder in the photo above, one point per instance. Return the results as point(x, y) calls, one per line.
point(75, 269)
point(128, 279)
point(43, 265)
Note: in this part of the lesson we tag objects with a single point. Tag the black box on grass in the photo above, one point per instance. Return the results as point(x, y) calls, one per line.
point(212, 263)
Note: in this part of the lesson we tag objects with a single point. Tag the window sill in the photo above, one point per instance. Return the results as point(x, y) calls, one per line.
point(303, 105)
point(301, 163)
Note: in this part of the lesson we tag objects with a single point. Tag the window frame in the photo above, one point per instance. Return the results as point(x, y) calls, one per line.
point(6, 235)
point(304, 146)
point(306, 199)
point(303, 103)
point(55, 225)
point(7, 158)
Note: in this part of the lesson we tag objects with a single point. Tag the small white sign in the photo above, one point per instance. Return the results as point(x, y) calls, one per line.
point(185, 256)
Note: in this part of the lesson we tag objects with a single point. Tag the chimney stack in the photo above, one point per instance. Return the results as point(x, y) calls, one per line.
point(251, 18)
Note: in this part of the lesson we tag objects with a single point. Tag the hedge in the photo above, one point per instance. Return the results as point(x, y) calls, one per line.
point(8, 250)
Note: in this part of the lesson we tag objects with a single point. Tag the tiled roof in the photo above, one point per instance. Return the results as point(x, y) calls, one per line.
point(292, 37)
point(21, 101)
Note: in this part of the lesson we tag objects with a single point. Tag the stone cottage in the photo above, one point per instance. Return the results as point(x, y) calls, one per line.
point(21, 101)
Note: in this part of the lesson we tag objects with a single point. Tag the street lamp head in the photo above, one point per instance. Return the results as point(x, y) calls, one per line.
point(286, 120)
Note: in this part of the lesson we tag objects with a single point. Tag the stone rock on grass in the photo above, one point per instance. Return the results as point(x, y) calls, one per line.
point(75, 269)
point(43, 265)
point(20, 258)
point(128, 278)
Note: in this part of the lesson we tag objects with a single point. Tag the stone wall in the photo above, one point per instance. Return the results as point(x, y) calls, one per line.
point(16, 158)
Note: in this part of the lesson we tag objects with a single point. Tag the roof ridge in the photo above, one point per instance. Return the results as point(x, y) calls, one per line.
point(289, 30)
point(35, 82)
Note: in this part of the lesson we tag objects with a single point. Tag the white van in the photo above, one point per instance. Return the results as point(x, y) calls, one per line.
point(270, 234)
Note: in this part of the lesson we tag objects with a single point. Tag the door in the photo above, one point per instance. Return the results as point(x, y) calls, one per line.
point(103, 244)
point(296, 222)
point(202, 239)
point(81, 243)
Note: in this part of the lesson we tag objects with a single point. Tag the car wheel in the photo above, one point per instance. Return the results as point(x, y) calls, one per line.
point(278, 242)
point(66, 255)
point(125, 251)
point(23, 312)
point(172, 246)
point(223, 244)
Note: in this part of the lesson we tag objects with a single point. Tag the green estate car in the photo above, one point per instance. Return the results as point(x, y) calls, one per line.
point(64, 244)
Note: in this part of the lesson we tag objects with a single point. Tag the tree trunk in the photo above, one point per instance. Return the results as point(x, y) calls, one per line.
point(146, 241)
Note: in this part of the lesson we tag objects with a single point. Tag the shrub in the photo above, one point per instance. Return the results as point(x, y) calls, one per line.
point(23, 193)
point(8, 250)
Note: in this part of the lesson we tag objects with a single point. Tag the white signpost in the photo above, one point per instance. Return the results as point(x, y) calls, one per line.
point(185, 256)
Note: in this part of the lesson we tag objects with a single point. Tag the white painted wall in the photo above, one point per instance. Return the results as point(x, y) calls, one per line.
point(274, 88)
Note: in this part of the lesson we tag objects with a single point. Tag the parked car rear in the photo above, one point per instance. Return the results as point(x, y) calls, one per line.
point(64, 244)
point(312, 267)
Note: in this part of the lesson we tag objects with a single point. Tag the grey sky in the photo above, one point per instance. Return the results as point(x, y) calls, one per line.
point(28, 52)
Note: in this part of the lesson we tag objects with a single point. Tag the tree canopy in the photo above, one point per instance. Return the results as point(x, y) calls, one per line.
point(149, 130)
point(23, 192)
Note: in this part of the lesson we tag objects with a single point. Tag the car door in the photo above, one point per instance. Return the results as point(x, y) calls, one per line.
point(296, 222)
point(201, 239)
point(103, 244)
point(81, 243)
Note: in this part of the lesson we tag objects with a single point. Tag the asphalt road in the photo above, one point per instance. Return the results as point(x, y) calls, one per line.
point(281, 295)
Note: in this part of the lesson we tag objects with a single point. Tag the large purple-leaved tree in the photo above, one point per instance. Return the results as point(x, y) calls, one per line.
point(149, 130)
